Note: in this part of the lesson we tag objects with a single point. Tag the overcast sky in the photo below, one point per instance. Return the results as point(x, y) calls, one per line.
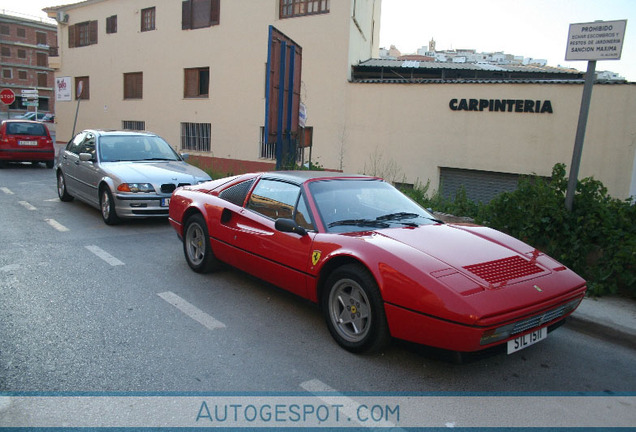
point(529, 28)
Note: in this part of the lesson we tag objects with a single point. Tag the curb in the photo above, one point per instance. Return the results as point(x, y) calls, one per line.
point(602, 329)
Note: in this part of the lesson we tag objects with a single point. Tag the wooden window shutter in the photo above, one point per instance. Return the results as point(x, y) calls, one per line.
point(186, 15)
point(42, 80)
point(72, 34)
point(191, 85)
point(215, 12)
point(92, 32)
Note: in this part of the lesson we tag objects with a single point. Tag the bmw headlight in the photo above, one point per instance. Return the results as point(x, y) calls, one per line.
point(136, 187)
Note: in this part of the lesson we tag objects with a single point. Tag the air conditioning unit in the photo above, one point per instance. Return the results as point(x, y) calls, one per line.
point(62, 17)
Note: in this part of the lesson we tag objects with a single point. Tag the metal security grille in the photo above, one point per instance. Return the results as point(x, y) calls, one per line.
point(293, 8)
point(480, 186)
point(196, 136)
point(137, 125)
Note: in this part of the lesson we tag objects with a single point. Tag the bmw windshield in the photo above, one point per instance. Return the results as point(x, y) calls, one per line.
point(117, 148)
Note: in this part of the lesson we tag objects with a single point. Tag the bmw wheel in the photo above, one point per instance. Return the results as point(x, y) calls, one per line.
point(107, 207)
point(61, 188)
point(196, 246)
point(354, 310)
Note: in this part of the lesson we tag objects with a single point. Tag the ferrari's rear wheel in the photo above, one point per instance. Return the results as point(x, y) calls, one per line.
point(196, 246)
point(354, 310)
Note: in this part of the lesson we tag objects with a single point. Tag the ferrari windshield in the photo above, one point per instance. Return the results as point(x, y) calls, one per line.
point(360, 205)
point(116, 148)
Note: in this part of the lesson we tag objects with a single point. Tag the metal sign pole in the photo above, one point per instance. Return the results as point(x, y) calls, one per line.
point(598, 40)
point(80, 90)
point(580, 133)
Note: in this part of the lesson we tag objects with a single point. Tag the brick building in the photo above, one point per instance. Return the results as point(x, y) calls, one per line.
point(25, 46)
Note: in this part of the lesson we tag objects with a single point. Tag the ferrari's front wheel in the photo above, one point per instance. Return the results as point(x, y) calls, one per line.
point(354, 311)
point(196, 246)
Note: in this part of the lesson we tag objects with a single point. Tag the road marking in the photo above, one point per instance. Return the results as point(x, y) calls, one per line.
point(55, 224)
point(9, 268)
point(192, 311)
point(6, 190)
point(104, 255)
point(26, 205)
point(349, 407)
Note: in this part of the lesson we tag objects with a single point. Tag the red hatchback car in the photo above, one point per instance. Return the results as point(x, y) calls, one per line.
point(26, 141)
point(378, 264)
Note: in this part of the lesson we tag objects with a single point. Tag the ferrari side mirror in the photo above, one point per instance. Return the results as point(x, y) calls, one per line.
point(289, 226)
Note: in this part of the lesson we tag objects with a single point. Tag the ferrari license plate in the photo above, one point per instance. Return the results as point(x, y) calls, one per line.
point(526, 340)
point(165, 202)
point(28, 143)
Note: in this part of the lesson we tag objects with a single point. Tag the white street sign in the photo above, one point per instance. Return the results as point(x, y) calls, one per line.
point(600, 40)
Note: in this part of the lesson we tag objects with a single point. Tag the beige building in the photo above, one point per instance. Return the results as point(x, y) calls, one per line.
point(196, 73)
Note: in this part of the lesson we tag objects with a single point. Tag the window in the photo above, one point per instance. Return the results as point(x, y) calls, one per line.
point(133, 125)
point(274, 199)
point(4, 29)
point(6, 51)
point(22, 75)
point(74, 146)
point(86, 89)
point(21, 32)
point(196, 136)
point(43, 79)
point(294, 8)
point(21, 53)
point(82, 143)
point(82, 34)
point(133, 85)
point(43, 104)
point(148, 19)
point(200, 13)
point(111, 24)
point(197, 82)
point(41, 59)
point(7, 73)
point(40, 38)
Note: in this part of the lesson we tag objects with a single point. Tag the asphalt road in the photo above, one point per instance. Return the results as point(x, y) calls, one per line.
point(89, 307)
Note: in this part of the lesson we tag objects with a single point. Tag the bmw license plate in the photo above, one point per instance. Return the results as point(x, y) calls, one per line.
point(165, 202)
point(27, 143)
point(526, 340)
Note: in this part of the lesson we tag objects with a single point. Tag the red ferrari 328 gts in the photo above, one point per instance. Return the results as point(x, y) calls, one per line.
point(379, 265)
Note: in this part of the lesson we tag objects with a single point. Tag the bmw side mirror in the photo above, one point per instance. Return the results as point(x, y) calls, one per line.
point(184, 156)
point(86, 157)
point(289, 226)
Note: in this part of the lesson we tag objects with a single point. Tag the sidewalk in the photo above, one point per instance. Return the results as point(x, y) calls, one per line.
point(610, 318)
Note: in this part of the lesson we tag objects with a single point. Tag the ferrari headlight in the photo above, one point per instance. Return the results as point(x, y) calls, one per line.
point(136, 187)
